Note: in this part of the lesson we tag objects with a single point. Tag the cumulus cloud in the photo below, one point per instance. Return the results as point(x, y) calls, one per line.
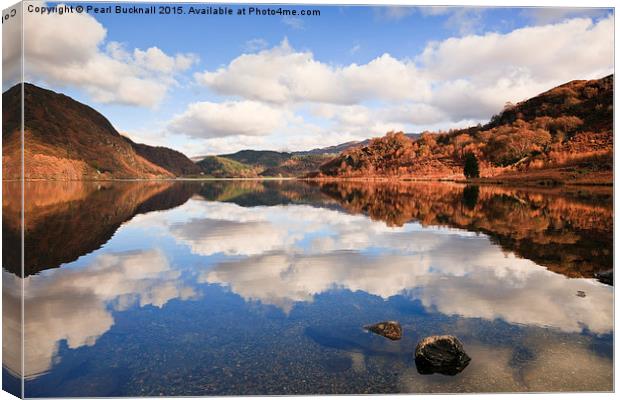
point(256, 44)
point(547, 15)
point(229, 118)
point(71, 50)
point(283, 75)
point(457, 79)
point(74, 304)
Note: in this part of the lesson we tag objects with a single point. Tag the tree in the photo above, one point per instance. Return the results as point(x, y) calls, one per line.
point(471, 169)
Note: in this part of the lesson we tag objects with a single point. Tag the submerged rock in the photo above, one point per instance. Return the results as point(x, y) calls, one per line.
point(389, 329)
point(606, 277)
point(440, 354)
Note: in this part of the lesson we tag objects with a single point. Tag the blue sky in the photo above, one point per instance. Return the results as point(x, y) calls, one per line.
point(217, 84)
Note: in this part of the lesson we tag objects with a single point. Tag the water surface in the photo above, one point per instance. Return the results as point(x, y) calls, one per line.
point(250, 287)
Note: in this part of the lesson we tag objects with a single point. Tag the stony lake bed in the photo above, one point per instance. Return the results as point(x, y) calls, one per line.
point(265, 287)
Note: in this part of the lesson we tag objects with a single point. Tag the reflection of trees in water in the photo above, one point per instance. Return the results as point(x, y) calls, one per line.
point(470, 196)
point(64, 221)
point(567, 230)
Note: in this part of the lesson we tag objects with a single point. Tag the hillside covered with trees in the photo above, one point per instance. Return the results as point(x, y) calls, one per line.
point(564, 134)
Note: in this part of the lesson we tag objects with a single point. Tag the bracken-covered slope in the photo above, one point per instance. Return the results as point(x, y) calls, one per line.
point(564, 134)
point(172, 160)
point(67, 140)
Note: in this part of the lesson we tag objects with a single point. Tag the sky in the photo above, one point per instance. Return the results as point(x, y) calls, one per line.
point(216, 84)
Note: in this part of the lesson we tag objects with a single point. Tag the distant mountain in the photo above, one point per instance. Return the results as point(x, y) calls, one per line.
point(223, 167)
point(265, 158)
point(254, 164)
point(347, 146)
point(269, 163)
point(562, 135)
point(67, 140)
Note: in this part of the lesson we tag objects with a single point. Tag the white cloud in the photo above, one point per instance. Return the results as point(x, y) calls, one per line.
point(393, 13)
point(157, 61)
point(475, 75)
point(255, 44)
point(464, 20)
point(293, 22)
point(455, 80)
point(547, 15)
point(230, 118)
point(70, 50)
point(11, 48)
point(283, 75)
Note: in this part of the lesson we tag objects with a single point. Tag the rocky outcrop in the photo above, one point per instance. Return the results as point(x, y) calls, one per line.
point(389, 329)
point(441, 354)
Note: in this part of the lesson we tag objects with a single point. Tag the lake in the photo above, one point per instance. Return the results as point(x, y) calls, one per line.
point(263, 287)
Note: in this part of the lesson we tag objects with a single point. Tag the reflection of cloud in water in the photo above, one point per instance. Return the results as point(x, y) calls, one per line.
point(209, 228)
point(73, 304)
point(464, 275)
point(210, 236)
point(298, 251)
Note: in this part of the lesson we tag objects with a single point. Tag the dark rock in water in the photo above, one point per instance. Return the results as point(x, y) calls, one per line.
point(388, 329)
point(606, 277)
point(440, 354)
point(581, 293)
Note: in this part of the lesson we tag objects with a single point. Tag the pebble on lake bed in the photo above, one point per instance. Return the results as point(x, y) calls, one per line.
point(440, 354)
point(389, 329)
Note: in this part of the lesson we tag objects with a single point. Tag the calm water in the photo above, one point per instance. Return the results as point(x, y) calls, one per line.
point(247, 287)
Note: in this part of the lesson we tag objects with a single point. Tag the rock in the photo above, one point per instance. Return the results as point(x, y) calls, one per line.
point(440, 354)
point(606, 277)
point(581, 293)
point(389, 329)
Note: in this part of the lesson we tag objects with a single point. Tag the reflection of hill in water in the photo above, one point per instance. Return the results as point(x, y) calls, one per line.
point(64, 221)
point(570, 231)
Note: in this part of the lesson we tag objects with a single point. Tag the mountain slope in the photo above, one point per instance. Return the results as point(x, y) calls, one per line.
point(172, 160)
point(337, 149)
point(562, 135)
point(66, 140)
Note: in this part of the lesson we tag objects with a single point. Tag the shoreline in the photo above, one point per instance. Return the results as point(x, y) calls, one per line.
point(478, 181)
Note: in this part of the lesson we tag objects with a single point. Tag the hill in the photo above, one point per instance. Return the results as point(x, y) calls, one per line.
point(268, 163)
point(172, 160)
point(68, 140)
point(261, 163)
point(562, 135)
point(222, 167)
point(346, 146)
point(265, 158)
